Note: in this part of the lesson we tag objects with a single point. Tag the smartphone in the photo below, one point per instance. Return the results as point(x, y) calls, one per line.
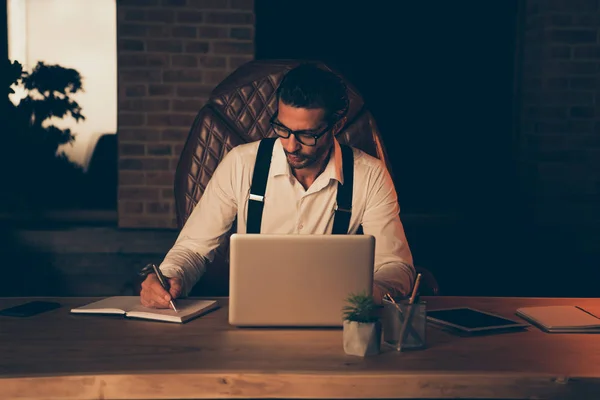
point(29, 309)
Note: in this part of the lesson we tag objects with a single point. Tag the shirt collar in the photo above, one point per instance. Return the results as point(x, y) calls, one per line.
point(333, 170)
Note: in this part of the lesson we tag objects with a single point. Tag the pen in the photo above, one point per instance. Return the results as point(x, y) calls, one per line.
point(409, 317)
point(415, 289)
point(164, 283)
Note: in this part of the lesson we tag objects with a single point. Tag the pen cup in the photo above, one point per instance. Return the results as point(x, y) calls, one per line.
point(404, 325)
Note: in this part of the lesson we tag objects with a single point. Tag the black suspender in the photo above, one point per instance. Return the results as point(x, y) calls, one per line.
point(343, 211)
point(256, 202)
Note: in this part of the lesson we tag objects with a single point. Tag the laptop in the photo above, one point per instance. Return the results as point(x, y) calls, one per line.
point(297, 280)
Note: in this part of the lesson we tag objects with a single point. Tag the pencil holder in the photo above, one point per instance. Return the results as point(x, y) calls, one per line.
point(404, 325)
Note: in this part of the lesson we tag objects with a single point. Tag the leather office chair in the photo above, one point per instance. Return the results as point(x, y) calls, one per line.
point(237, 112)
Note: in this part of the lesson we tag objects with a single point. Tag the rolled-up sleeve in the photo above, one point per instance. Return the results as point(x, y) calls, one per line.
point(206, 226)
point(394, 270)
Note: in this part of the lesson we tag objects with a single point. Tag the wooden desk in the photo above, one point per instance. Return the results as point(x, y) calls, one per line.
point(58, 355)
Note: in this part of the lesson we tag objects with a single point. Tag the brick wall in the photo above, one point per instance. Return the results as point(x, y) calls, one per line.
point(171, 54)
point(560, 119)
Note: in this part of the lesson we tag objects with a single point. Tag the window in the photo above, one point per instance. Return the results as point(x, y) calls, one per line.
point(80, 35)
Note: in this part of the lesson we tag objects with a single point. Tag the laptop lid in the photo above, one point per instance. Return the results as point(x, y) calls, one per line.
point(297, 280)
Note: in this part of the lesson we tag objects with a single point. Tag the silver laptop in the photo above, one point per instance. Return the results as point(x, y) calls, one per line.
point(297, 280)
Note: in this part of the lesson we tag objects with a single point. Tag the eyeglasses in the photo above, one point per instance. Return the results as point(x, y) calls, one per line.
point(306, 137)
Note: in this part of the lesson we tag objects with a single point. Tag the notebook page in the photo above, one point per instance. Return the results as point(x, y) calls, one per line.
point(186, 309)
point(109, 305)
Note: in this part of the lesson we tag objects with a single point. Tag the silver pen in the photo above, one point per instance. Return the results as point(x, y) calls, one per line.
point(163, 281)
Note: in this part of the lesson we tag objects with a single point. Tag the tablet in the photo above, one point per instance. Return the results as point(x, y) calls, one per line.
point(471, 320)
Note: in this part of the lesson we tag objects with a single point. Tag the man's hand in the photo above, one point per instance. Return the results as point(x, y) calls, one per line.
point(153, 295)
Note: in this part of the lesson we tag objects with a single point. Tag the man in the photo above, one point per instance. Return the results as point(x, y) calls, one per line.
point(300, 197)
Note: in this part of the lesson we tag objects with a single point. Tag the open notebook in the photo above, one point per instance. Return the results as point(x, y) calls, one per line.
point(561, 319)
point(130, 307)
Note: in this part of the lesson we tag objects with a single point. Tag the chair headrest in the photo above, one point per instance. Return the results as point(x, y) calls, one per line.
point(249, 92)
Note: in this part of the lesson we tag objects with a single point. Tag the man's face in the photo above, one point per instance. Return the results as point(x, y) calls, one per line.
point(303, 119)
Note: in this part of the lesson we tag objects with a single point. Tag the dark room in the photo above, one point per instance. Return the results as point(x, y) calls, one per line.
point(300, 199)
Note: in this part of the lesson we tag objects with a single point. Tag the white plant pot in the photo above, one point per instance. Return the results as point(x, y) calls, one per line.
point(362, 339)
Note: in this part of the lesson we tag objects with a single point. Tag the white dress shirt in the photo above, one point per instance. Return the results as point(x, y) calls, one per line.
point(290, 209)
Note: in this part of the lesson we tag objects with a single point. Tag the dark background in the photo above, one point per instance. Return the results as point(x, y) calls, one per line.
point(3, 29)
point(441, 88)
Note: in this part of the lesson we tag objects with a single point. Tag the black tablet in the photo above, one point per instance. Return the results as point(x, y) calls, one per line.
point(470, 320)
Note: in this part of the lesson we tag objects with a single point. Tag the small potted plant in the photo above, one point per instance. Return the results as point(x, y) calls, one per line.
point(362, 328)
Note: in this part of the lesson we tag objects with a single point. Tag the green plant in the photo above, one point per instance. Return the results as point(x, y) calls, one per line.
point(49, 95)
point(360, 308)
point(34, 164)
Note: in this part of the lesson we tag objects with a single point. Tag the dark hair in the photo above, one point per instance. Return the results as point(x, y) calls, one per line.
point(308, 86)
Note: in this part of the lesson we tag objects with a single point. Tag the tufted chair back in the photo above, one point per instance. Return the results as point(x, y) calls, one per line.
point(237, 112)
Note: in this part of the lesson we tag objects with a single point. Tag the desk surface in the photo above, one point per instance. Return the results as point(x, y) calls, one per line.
point(67, 356)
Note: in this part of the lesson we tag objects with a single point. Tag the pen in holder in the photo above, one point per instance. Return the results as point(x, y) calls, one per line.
point(404, 323)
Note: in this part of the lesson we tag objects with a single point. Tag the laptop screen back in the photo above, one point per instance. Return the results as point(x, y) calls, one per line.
point(296, 280)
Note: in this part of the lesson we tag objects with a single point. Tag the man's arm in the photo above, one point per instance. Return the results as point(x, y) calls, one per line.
point(394, 270)
point(203, 232)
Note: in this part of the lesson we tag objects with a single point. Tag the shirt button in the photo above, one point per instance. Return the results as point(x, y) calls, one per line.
point(300, 226)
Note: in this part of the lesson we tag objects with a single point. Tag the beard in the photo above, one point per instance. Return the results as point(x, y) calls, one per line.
point(297, 160)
